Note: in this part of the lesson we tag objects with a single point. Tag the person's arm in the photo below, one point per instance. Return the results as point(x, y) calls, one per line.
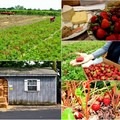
point(102, 50)
point(94, 55)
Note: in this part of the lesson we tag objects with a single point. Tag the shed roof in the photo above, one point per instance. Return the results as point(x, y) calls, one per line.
point(27, 72)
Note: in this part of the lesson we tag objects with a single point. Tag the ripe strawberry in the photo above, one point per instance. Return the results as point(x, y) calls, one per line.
point(106, 66)
point(114, 18)
point(78, 115)
point(118, 77)
point(96, 106)
point(106, 101)
point(111, 37)
point(79, 59)
point(105, 24)
point(117, 27)
point(94, 19)
point(103, 78)
point(101, 33)
point(113, 11)
point(118, 37)
point(100, 99)
point(104, 15)
point(95, 28)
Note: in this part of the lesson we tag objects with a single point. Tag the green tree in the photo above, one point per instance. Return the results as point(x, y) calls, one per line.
point(18, 7)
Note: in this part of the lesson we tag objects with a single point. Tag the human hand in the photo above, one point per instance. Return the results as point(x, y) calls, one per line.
point(86, 57)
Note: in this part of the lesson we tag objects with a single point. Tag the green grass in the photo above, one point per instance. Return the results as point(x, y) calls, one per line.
point(28, 42)
point(76, 73)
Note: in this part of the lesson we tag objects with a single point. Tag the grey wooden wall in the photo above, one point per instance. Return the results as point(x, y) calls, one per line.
point(47, 93)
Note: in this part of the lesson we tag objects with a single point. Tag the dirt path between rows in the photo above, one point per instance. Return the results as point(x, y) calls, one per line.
point(7, 21)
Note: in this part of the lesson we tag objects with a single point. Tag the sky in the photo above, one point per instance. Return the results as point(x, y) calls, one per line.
point(41, 4)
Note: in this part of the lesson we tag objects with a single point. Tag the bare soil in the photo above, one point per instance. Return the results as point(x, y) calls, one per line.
point(7, 21)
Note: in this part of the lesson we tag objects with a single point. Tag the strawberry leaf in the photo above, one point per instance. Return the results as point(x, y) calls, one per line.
point(67, 114)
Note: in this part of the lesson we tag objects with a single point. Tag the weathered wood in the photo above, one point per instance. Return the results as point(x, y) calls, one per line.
point(18, 95)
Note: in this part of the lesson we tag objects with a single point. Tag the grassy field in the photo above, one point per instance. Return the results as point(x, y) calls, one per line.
point(68, 54)
point(30, 38)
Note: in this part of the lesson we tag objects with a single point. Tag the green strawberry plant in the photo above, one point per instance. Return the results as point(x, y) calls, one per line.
point(31, 42)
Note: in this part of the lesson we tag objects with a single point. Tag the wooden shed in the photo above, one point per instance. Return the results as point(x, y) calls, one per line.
point(29, 86)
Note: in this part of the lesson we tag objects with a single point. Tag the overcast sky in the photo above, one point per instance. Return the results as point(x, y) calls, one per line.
point(42, 4)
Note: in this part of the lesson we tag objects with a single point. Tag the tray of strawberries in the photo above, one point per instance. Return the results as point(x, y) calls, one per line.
point(105, 25)
point(102, 71)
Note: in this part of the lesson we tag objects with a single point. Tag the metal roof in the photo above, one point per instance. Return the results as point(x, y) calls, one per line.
point(27, 72)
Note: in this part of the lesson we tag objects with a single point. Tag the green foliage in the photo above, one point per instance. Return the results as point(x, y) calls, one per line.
point(68, 53)
point(67, 114)
point(30, 42)
point(21, 11)
point(79, 93)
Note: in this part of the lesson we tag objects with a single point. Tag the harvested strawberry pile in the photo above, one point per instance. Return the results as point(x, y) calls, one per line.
point(106, 25)
point(102, 71)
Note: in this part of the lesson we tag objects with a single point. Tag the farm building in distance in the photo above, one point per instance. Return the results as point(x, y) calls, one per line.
point(28, 86)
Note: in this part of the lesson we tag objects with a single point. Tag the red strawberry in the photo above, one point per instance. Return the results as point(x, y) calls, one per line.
point(101, 33)
point(118, 77)
point(104, 15)
point(87, 84)
point(79, 59)
point(95, 28)
point(111, 37)
point(117, 27)
point(96, 106)
point(114, 18)
point(78, 115)
point(100, 99)
point(113, 11)
point(105, 24)
point(118, 37)
point(94, 19)
point(106, 101)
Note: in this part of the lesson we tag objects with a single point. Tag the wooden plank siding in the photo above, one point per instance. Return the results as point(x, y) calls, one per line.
point(47, 93)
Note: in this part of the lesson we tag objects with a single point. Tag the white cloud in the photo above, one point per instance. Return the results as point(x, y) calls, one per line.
point(41, 4)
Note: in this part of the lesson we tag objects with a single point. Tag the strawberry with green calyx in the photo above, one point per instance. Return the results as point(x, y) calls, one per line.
point(104, 15)
point(105, 24)
point(101, 33)
point(94, 19)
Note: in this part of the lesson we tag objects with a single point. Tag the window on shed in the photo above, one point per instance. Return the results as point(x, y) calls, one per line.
point(32, 85)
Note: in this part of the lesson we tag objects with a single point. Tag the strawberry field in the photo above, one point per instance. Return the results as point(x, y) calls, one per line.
point(38, 41)
point(96, 100)
point(68, 53)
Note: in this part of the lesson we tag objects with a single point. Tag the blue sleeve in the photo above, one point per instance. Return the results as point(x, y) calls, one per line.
point(102, 50)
